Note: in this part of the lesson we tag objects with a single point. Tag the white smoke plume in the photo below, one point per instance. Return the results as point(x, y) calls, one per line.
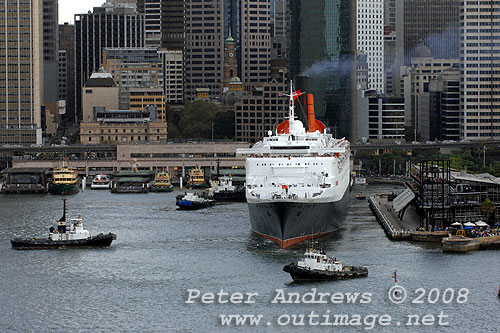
point(326, 67)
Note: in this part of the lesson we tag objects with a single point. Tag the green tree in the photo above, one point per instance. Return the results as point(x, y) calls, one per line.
point(196, 120)
point(224, 125)
point(488, 210)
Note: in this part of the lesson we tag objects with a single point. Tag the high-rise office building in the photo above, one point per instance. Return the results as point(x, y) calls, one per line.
point(255, 40)
point(21, 71)
point(280, 34)
point(323, 42)
point(133, 68)
point(434, 23)
point(173, 74)
point(50, 67)
point(424, 68)
point(165, 23)
point(390, 47)
point(440, 119)
point(66, 85)
point(390, 13)
point(152, 26)
point(386, 117)
point(108, 26)
point(50, 49)
point(204, 47)
point(370, 39)
point(480, 70)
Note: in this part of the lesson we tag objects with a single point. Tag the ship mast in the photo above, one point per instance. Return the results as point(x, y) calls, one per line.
point(291, 108)
point(291, 111)
point(286, 126)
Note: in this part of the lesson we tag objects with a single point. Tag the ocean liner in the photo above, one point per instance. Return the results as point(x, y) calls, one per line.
point(296, 180)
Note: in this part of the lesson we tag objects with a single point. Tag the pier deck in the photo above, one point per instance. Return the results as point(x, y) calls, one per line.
point(393, 227)
point(404, 229)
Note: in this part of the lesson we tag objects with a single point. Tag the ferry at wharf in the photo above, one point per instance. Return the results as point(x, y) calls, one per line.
point(196, 179)
point(296, 180)
point(162, 182)
point(65, 180)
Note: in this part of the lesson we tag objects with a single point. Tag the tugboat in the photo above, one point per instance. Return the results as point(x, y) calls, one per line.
point(196, 178)
point(101, 182)
point(64, 180)
point(316, 266)
point(72, 236)
point(191, 201)
point(224, 190)
point(162, 183)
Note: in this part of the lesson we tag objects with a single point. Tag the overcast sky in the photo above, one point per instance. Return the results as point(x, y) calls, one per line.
point(68, 8)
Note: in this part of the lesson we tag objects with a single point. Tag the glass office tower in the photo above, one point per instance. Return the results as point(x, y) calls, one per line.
point(321, 49)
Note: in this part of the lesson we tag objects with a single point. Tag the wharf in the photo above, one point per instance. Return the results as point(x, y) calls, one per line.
point(393, 227)
point(25, 180)
point(456, 244)
point(401, 229)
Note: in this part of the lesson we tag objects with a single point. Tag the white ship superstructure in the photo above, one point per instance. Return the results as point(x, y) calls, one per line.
point(308, 167)
point(295, 180)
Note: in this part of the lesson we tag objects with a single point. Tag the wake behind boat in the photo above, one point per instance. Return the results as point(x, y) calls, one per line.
point(73, 235)
point(297, 180)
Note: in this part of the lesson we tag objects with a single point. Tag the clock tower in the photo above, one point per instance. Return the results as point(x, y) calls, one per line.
point(230, 61)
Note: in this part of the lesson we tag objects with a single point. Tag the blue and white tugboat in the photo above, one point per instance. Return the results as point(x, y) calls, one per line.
point(316, 266)
point(72, 235)
point(191, 201)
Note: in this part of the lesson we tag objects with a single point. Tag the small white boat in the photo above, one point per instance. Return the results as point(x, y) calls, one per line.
point(101, 182)
point(360, 181)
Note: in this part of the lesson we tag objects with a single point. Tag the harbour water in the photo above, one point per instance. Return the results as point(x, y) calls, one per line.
point(140, 283)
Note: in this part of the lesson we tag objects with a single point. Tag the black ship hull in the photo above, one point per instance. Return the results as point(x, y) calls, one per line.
point(64, 189)
point(101, 240)
point(288, 223)
point(234, 196)
point(303, 274)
